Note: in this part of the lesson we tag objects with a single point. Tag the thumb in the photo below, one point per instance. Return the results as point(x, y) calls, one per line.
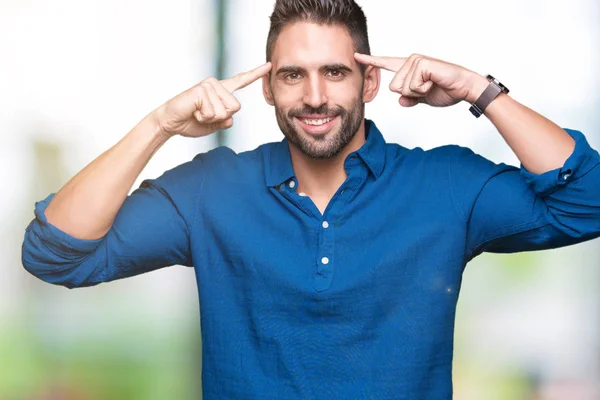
point(409, 101)
point(228, 123)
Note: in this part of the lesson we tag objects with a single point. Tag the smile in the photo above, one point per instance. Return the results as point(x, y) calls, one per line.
point(317, 126)
point(317, 122)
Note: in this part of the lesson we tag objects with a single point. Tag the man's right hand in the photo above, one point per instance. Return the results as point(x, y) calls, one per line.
point(206, 107)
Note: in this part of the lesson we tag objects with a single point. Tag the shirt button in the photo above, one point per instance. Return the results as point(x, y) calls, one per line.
point(325, 224)
point(325, 260)
point(292, 184)
point(566, 177)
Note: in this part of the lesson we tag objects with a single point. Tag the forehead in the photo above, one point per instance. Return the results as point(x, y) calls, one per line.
point(308, 44)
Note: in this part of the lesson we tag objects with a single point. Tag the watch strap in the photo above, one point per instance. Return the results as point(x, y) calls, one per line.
point(488, 95)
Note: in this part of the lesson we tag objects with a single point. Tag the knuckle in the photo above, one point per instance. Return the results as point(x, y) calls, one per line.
point(415, 89)
point(395, 86)
point(199, 90)
point(209, 80)
point(208, 114)
point(221, 116)
point(422, 62)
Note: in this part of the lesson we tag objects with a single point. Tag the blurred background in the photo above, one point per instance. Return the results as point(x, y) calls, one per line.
point(76, 76)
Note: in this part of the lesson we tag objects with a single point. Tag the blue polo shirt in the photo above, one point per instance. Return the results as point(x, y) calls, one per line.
point(355, 303)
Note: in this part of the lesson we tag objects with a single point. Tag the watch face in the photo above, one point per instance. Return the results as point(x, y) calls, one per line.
point(497, 82)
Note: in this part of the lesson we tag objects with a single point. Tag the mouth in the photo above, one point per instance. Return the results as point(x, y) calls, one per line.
point(313, 125)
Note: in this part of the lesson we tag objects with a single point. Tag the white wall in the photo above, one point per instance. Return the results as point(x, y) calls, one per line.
point(80, 75)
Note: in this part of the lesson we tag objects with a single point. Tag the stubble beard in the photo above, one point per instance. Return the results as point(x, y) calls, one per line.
point(328, 144)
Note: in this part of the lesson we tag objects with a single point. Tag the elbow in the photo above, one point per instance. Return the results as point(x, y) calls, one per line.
point(579, 227)
point(47, 267)
point(48, 272)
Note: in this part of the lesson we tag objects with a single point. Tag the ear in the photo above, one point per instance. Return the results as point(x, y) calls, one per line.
point(267, 89)
point(371, 86)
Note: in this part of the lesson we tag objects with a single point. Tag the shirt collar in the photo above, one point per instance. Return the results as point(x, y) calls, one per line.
point(278, 162)
point(374, 149)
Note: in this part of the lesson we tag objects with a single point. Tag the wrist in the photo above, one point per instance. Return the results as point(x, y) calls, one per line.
point(155, 126)
point(476, 85)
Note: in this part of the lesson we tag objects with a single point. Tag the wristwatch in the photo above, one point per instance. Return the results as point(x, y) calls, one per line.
point(489, 94)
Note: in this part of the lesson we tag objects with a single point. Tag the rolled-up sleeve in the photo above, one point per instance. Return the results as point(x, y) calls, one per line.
point(150, 231)
point(512, 209)
point(580, 163)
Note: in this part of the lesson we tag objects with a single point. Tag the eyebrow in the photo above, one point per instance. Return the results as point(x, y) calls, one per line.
point(288, 69)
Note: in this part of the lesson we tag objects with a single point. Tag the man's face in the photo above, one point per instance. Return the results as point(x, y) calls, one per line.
point(316, 87)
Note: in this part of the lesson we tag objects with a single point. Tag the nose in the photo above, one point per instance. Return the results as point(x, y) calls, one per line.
point(315, 92)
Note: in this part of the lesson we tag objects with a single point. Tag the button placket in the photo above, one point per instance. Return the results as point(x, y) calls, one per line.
point(325, 260)
point(325, 253)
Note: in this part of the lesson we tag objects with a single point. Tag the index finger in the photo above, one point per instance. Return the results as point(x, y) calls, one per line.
point(389, 63)
point(243, 79)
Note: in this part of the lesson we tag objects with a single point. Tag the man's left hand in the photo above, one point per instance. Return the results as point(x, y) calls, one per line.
point(422, 79)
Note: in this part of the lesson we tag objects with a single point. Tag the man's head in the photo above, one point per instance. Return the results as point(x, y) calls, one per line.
point(316, 86)
point(345, 13)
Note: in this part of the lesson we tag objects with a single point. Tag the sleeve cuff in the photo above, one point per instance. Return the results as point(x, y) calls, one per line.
point(580, 162)
point(59, 242)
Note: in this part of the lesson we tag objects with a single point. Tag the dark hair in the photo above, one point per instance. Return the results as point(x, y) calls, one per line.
point(344, 13)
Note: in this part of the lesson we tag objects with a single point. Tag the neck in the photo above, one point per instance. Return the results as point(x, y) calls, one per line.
point(321, 178)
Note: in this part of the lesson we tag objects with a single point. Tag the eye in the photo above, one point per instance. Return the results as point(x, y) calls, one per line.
point(294, 76)
point(335, 73)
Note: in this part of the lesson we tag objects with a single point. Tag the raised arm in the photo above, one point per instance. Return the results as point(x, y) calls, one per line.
point(91, 231)
point(87, 205)
point(553, 200)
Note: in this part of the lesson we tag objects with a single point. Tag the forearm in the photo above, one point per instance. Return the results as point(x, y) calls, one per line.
point(539, 143)
point(87, 205)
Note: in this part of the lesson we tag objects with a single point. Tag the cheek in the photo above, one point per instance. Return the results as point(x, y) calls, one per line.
point(287, 93)
point(287, 97)
point(345, 95)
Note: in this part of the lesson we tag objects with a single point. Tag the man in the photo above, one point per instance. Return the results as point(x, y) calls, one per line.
point(329, 264)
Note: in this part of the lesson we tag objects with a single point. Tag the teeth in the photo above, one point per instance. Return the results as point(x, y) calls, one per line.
point(317, 122)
